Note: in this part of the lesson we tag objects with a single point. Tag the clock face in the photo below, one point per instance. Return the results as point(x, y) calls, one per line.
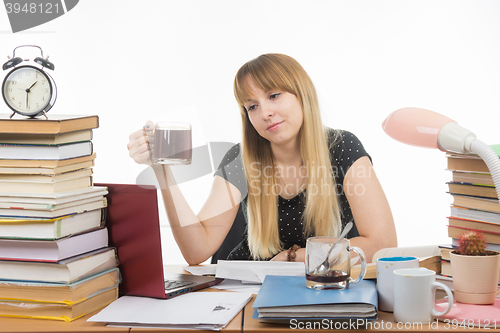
point(27, 90)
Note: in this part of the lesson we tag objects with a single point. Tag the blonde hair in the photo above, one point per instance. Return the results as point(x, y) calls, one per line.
point(322, 214)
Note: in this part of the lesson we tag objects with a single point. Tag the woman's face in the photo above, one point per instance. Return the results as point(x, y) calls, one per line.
point(276, 115)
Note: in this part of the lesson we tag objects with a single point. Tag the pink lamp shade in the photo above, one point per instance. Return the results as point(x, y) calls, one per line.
point(428, 129)
point(415, 126)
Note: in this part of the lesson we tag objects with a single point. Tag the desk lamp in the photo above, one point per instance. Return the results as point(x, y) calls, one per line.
point(428, 129)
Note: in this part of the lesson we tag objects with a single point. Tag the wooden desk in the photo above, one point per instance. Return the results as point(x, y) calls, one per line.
point(18, 325)
point(384, 323)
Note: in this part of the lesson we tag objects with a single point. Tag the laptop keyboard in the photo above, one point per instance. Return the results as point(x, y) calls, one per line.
point(169, 284)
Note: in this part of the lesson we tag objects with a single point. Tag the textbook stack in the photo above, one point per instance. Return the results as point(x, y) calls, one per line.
point(55, 262)
point(475, 203)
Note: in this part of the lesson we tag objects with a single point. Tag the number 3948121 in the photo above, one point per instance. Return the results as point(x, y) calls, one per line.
point(470, 323)
point(32, 8)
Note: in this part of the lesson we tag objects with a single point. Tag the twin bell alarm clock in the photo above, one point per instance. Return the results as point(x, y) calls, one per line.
point(28, 89)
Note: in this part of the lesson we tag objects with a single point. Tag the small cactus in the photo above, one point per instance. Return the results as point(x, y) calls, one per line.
point(471, 243)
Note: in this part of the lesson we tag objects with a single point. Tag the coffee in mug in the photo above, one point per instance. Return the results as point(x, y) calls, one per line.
point(172, 143)
point(339, 273)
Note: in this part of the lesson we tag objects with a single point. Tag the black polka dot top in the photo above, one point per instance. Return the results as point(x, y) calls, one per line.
point(344, 151)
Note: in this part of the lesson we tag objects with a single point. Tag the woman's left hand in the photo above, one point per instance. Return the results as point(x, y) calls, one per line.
point(283, 255)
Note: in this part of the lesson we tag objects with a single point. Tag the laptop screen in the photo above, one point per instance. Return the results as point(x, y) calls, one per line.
point(134, 229)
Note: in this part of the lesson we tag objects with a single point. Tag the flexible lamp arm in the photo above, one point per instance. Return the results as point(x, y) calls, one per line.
point(424, 128)
point(491, 159)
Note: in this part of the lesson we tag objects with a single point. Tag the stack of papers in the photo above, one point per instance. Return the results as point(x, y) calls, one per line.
point(200, 310)
point(246, 276)
point(285, 297)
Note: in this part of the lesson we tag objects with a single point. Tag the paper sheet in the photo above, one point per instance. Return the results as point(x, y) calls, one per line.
point(237, 285)
point(255, 271)
point(207, 310)
point(202, 270)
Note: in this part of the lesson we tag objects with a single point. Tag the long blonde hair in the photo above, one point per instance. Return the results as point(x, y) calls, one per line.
point(322, 214)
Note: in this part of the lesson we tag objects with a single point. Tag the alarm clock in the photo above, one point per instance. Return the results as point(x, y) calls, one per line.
point(28, 89)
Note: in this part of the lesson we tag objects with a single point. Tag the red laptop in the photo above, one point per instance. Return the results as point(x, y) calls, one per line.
point(134, 229)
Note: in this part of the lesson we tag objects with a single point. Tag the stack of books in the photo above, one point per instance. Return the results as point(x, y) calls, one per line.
point(475, 204)
point(475, 200)
point(55, 262)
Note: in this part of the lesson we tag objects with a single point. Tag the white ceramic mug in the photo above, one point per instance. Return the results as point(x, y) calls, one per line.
point(414, 295)
point(385, 278)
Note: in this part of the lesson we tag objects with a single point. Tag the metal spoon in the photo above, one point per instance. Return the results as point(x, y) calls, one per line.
point(324, 267)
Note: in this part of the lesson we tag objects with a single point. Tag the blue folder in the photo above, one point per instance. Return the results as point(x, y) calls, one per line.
point(292, 290)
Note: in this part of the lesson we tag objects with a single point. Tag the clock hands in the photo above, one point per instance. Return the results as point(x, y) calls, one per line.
point(28, 92)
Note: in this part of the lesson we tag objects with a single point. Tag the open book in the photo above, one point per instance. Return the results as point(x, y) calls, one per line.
point(430, 258)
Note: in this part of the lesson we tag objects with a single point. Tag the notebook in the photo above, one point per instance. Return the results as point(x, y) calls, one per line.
point(134, 229)
point(285, 297)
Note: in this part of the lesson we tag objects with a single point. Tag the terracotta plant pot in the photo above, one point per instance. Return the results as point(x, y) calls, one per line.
point(475, 278)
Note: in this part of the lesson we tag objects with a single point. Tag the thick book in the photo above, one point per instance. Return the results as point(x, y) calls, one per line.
point(490, 205)
point(64, 271)
point(51, 228)
point(446, 268)
point(36, 187)
point(475, 225)
point(48, 200)
point(25, 206)
point(23, 178)
point(54, 166)
point(74, 207)
point(55, 124)
point(474, 214)
point(46, 171)
point(68, 293)
point(285, 297)
point(45, 152)
point(483, 191)
point(490, 237)
point(475, 178)
point(58, 311)
point(46, 139)
point(53, 250)
point(469, 162)
point(445, 251)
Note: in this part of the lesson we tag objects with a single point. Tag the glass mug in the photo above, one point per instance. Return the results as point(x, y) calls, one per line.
point(171, 143)
point(339, 274)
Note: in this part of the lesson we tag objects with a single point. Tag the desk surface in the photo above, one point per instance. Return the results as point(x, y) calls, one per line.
point(385, 323)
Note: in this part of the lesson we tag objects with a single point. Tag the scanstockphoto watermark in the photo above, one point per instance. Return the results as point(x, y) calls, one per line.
point(26, 14)
point(357, 324)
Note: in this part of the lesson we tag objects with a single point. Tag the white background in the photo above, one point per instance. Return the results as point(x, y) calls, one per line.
point(130, 61)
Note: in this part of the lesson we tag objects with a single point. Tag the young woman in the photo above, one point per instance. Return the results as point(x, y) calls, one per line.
point(294, 177)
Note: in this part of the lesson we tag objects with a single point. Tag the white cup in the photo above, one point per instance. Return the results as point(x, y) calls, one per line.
point(414, 295)
point(385, 278)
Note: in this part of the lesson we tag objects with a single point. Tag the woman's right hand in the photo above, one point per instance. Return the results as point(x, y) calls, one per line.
point(138, 145)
